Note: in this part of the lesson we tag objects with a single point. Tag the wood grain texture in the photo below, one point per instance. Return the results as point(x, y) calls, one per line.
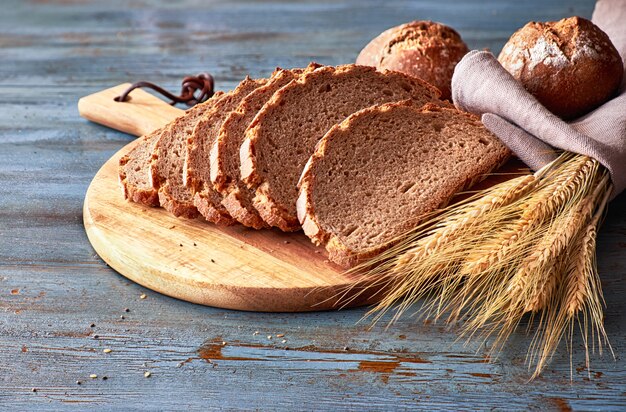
point(224, 266)
point(53, 286)
point(140, 114)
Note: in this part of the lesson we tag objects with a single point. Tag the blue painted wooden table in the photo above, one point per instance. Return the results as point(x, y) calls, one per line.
point(61, 306)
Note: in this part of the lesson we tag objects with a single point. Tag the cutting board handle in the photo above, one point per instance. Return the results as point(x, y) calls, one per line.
point(141, 114)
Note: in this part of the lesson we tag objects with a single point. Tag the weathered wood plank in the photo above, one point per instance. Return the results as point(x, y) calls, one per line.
point(53, 286)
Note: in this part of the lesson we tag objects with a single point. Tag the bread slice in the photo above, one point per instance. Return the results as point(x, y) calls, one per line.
point(225, 151)
point(197, 170)
point(284, 133)
point(134, 173)
point(166, 168)
point(372, 177)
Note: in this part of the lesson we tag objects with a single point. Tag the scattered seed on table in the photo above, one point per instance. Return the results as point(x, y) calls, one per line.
point(269, 336)
point(78, 382)
point(122, 317)
point(96, 336)
point(181, 245)
point(256, 332)
point(142, 296)
point(280, 335)
point(194, 243)
point(126, 310)
point(107, 350)
point(223, 343)
point(284, 341)
point(104, 378)
point(34, 389)
point(93, 376)
point(93, 325)
point(147, 375)
point(212, 261)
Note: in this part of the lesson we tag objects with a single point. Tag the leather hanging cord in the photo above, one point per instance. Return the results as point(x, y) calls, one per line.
point(202, 82)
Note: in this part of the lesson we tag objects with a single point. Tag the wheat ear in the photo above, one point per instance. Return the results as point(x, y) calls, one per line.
point(545, 204)
point(508, 294)
point(500, 254)
point(435, 250)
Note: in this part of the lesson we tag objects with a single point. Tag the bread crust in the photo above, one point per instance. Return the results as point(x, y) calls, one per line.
point(338, 251)
point(271, 210)
point(424, 49)
point(570, 66)
point(211, 213)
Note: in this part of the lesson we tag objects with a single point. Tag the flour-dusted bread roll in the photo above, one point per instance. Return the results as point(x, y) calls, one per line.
point(570, 66)
point(424, 49)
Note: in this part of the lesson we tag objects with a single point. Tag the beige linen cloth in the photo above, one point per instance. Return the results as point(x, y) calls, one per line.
point(481, 85)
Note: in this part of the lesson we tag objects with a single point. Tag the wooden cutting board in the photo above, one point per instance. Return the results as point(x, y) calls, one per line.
point(229, 267)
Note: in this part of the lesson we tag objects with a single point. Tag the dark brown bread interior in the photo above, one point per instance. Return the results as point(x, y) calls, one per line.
point(284, 133)
point(225, 170)
point(198, 146)
point(372, 176)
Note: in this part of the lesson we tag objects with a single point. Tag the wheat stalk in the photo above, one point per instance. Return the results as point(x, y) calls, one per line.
point(434, 252)
point(533, 280)
point(537, 272)
point(525, 245)
point(580, 267)
point(545, 258)
point(452, 226)
point(548, 201)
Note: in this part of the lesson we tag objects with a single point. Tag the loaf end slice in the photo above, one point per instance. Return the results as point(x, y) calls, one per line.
point(285, 131)
point(133, 171)
point(373, 177)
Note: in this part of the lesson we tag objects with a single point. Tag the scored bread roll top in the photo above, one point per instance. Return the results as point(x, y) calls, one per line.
point(570, 66)
point(424, 49)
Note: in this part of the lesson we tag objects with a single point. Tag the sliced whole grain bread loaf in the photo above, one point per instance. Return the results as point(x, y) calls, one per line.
point(166, 168)
point(283, 134)
point(197, 146)
point(372, 176)
point(225, 171)
point(134, 174)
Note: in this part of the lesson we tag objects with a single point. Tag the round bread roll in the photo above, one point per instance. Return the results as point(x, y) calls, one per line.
point(570, 66)
point(424, 49)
